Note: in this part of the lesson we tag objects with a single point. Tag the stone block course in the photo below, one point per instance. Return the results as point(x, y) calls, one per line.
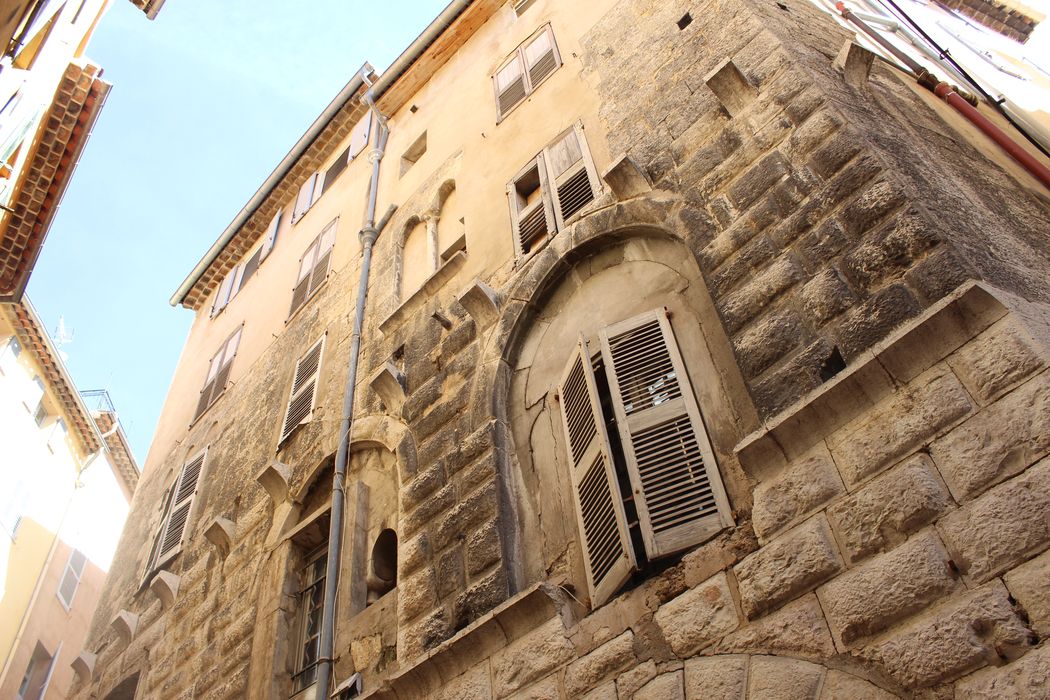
point(751, 300)
point(1003, 527)
point(530, 658)
point(778, 678)
point(716, 678)
point(889, 508)
point(667, 686)
point(1025, 679)
point(1030, 585)
point(699, 616)
point(899, 425)
point(998, 359)
point(628, 682)
point(998, 442)
point(795, 492)
point(888, 589)
point(606, 661)
point(798, 629)
point(966, 633)
point(794, 563)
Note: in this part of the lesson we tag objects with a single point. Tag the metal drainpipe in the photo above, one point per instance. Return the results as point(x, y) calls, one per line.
point(950, 95)
point(368, 235)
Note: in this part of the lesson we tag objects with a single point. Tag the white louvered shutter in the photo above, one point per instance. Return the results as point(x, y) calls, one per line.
point(174, 528)
point(359, 136)
point(271, 234)
point(305, 198)
point(572, 180)
point(218, 372)
point(533, 219)
point(67, 587)
point(251, 265)
point(541, 58)
point(302, 281)
point(604, 537)
point(510, 85)
point(223, 296)
point(325, 243)
point(677, 489)
point(304, 390)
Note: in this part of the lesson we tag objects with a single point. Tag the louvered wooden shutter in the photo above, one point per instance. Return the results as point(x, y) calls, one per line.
point(302, 282)
point(250, 266)
point(305, 198)
point(174, 528)
point(218, 373)
point(510, 85)
point(573, 184)
point(270, 239)
point(325, 243)
point(67, 587)
point(541, 57)
point(304, 390)
point(678, 492)
point(605, 541)
point(223, 295)
point(532, 221)
point(359, 136)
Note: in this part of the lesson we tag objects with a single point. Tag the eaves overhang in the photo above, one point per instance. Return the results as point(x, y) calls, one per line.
point(57, 147)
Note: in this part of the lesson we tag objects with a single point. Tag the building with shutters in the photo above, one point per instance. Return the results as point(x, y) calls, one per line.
point(66, 481)
point(700, 354)
point(51, 94)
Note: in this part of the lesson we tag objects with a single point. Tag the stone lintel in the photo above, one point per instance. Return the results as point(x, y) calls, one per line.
point(626, 179)
point(875, 375)
point(221, 532)
point(165, 585)
point(481, 302)
point(275, 477)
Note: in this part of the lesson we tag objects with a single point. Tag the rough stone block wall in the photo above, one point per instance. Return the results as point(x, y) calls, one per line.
point(829, 214)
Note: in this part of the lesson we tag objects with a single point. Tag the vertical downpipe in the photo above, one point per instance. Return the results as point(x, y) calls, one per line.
point(368, 236)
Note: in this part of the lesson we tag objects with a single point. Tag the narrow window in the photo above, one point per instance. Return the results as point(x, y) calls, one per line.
point(646, 485)
point(310, 611)
point(313, 267)
point(59, 432)
point(309, 191)
point(35, 400)
point(553, 188)
point(38, 674)
point(74, 571)
point(336, 169)
point(9, 355)
point(218, 373)
point(179, 503)
point(304, 390)
point(270, 239)
point(524, 70)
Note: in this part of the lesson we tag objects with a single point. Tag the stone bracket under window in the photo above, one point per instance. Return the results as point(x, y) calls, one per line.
point(165, 585)
point(124, 625)
point(84, 665)
point(390, 383)
point(274, 478)
point(481, 302)
point(221, 532)
point(626, 178)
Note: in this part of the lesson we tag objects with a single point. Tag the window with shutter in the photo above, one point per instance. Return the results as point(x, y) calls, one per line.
point(678, 492)
point(270, 239)
point(650, 486)
point(607, 552)
point(218, 373)
point(304, 390)
point(9, 355)
point(173, 527)
point(67, 587)
point(313, 267)
point(360, 134)
point(555, 186)
point(306, 197)
point(523, 71)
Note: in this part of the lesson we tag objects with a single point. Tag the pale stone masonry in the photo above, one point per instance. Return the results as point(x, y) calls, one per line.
point(858, 299)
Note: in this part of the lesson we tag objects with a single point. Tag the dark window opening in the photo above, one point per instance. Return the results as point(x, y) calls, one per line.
point(686, 20)
point(832, 365)
point(532, 216)
point(382, 572)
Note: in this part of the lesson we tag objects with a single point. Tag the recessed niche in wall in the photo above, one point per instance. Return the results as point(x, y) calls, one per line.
point(414, 153)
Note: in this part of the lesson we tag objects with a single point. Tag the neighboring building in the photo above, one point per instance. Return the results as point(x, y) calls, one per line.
point(695, 362)
point(66, 481)
point(50, 97)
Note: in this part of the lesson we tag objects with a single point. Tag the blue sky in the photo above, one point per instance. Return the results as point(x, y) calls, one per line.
point(207, 99)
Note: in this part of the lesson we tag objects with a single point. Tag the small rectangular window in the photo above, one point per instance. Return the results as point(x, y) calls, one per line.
point(310, 610)
point(523, 71)
point(218, 373)
point(414, 153)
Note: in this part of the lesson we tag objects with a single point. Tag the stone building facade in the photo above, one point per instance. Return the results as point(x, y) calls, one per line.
point(692, 366)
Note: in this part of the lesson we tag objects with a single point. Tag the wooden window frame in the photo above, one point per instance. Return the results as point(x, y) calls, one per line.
point(529, 82)
point(303, 384)
point(213, 388)
point(174, 501)
point(314, 279)
point(310, 583)
point(550, 196)
point(699, 507)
